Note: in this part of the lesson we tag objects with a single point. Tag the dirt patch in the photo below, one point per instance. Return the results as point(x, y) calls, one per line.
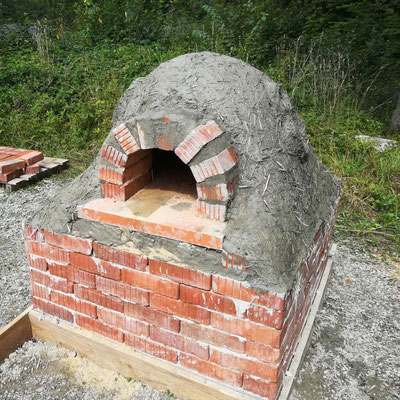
point(42, 371)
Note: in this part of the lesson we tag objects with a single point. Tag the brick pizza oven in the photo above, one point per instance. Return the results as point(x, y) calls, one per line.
point(200, 232)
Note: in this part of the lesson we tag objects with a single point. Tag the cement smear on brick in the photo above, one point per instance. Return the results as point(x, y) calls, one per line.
point(283, 195)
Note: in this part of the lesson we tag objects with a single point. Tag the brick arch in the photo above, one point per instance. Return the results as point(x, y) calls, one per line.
point(127, 163)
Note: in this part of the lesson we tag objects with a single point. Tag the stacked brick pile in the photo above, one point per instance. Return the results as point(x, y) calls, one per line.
point(17, 162)
point(211, 324)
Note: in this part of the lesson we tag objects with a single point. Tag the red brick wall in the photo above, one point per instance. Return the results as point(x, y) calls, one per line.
point(208, 323)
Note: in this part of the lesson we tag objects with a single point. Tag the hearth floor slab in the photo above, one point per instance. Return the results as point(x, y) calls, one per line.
point(159, 212)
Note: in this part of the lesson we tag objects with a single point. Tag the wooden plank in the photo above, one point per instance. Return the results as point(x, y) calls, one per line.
point(306, 334)
point(16, 333)
point(185, 384)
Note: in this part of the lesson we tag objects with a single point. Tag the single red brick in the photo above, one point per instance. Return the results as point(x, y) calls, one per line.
point(179, 342)
point(214, 371)
point(212, 336)
point(82, 277)
point(31, 157)
point(236, 289)
point(251, 367)
point(123, 322)
point(264, 353)
point(180, 274)
point(32, 169)
point(127, 190)
point(209, 300)
point(11, 165)
point(151, 316)
point(53, 309)
point(261, 387)
point(114, 156)
point(150, 282)
point(97, 326)
point(59, 270)
point(39, 277)
point(61, 285)
point(84, 262)
point(247, 329)
point(103, 300)
point(120, 257)
point(69, 242)
point(180, 309)
point(9, 176)
point(37, 262)
point(265, 316)
point(123, 291)
point(40, 291)
point(212, 211)
point(149, 347)
point(72, 303)
point(47, 251)
point(33, 234)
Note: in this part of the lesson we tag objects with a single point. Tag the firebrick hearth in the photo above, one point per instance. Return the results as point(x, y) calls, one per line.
point(200, 232)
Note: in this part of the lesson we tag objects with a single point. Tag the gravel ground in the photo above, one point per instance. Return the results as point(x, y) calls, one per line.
point(354, 352)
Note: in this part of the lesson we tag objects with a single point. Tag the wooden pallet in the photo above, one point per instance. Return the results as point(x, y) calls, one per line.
point(47, 167)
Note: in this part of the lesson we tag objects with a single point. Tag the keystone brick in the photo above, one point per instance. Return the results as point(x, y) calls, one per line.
point(47, 251)
point(53, 309)
point(117, 256)
point(180, 274)
point(123, 291)
point(180, 309)
point(247, 329)
point(216, 165)
point(84, 278)
point(126, 139)
point(103, 300)
point(72, 303)
point(120, 321)
point(149, 347)
point(212, 336)
point(178, 342)
point(196, 139)
point(214, 371)
point(150, 282)
point(125, 192)
point(261, 387)
point(251, 367)
point(151, 316)
point(97, 326)
point(69, 242)
point(209, 300)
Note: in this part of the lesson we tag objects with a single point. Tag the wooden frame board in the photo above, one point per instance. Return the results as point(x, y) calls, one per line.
point(185, 384)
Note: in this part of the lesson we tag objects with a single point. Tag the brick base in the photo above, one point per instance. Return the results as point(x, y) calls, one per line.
point(212, 324)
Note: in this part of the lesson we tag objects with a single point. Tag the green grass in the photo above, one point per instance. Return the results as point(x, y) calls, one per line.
point(60, 101)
